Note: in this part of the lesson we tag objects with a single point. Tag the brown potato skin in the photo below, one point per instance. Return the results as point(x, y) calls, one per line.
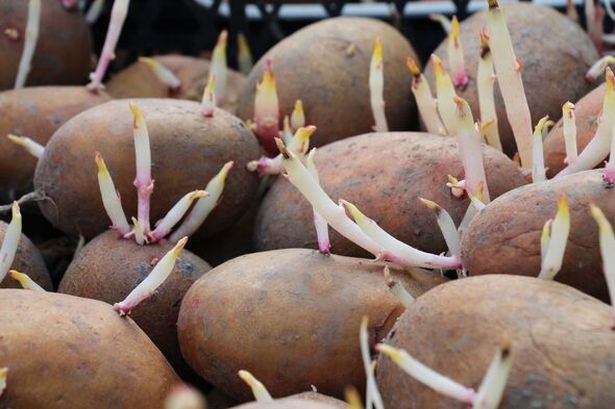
point(28, 260)
point(550, 77)
point(35, 112)
point(384, 175)
point(288, 403)
point(109, 268)
point(587, 112)
point(315, 65)
point(187, 151)
point(291, 317)
point(561, 344)
point(62, 54)
point(138, 81)
point(69, 352)
point(504, 238)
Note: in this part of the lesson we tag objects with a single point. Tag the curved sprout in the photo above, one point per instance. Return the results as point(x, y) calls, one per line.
point(25, 281)
point(599, 147)
point(424, 100)
point(427, 376)
point(147, 287)
point(32, 147)
point(447, 226)
point(261, 394)
point(32, 31)
point(508, 71)
point(560, 227)
point(445, 96)
point(607, 251)
point(10, 241)
point(443, 20)
point(373, 398)
point(173, 216)
point(320, 224)
point(164, 75)
point(118, 17)
point(204, 205)
point(110, 198)
point(597, 69)
point(218, 67)
point(399, 251)
point(376, 88)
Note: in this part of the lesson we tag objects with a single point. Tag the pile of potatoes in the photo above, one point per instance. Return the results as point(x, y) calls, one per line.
point(288, 295)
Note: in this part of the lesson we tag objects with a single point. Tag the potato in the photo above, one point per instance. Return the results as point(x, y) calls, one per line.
point(384, 175)
point(62, 53)
point(326, 65)
point(288, 404)
point(310, 397)
point(587, 112)
point(562, 355)
point(94, 274)
point(550, 77)
point(69, 352)
point(504, 238)
point(37, 113)
point(291, 317)
point(27, 260)
point(138, 81)
point(187, 151)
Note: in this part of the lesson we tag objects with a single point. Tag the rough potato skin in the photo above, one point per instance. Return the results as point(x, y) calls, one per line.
point(561, 344)
point(62, 54)
point(35, 112)
point(69, 352)
point(28, 260)
point(288, 403)
point(587, 112)
point(109, 268)
point(187, 151)
point(291, 317)
point(326, 65)
point(138, 81)
point(553, 70)
point(504, 238)
point(384, 175)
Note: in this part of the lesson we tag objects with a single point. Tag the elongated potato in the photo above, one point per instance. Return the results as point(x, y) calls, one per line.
point(138, 81)
point(562, 354)
point(550, 76)
point(109, 268)
point(37, 113)
point(27, 260)
point(69, 352)
point(504, 238)
point(326, 64)
point(384, 175)
point(62, 53)
point(291, 317)
point(587, 112)
point(187, 148)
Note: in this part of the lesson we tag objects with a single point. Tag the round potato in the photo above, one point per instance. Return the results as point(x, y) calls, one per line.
point(504, 238)
point(187, 151)
point(69, 352)
point(326, 65)
point(561, 344)
point(138, 81)
point(384, 175)
point(27, 260)
point(35, 112)
point(62, 53)
point(94, 274)
point(587, 112)
point(291, 317)
point(550, 77)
